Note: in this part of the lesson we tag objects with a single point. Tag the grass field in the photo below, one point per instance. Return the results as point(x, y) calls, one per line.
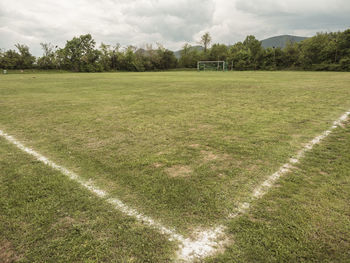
point(182, 147)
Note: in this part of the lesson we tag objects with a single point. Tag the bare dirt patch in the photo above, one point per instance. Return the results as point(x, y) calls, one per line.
point(67, 220)
point(7, 252)
point(179, 171)
point(209, 156)
point(323, 173)
point(195, 145)
point(157, 165)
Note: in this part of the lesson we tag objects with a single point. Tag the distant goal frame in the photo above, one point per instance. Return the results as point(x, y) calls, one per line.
point(214, 65)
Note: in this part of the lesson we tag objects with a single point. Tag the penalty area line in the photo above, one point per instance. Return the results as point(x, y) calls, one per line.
point(263, 188)
point(202, 245)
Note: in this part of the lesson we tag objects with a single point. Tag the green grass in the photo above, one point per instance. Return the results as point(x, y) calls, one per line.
point(183, 147)
point(306, 218)
point(46, 218)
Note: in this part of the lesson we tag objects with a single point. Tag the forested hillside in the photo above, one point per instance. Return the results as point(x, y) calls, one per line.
point(280, 41)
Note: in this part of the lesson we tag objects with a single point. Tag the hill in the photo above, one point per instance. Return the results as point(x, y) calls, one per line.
point(178, 52)
point(280, 41)
point(277, 41)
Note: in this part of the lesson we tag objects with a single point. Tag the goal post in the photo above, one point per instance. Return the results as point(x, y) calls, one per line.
point(211, 65)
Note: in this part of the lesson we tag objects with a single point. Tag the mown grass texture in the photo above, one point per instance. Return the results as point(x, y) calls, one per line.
point(183, 147)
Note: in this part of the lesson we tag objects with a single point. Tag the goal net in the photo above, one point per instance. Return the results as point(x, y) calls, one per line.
point(211, 66)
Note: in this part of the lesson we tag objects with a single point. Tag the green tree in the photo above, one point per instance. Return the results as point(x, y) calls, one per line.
point(130, 61)
point(10, 59)
point(79, 54)
point(154, 56)
point(185, 56)
point(189, 56)
point(116, 56)
point(167, 58)
point(237, 56)
point(344, 44)
point(26, 59)
point(48, 59)
point(242, 60)
point(269, 59)
point(254, 48)
point(205, 41)
point(319, 51)
point(345, 63)
point(291, 54)
point(2, 54)
point(218, 52)
point(105, 59)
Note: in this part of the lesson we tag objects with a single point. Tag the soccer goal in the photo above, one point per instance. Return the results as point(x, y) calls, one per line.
point(211, 65)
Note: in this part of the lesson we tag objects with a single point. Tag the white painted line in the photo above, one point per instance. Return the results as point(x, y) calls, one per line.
point(204, 244)
point(263, 188)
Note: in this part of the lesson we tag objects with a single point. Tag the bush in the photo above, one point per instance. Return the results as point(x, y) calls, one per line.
point(326, 67)
point(345, 64)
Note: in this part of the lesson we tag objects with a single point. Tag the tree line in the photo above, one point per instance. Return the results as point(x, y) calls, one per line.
point(324, 51)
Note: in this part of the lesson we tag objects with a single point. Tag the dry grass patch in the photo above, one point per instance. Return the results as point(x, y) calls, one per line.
point(64, 222)
point(179, 171)
point(222, 160)
point(253, 167)
point(157, 165)
point(209, 156)
point(7, 252)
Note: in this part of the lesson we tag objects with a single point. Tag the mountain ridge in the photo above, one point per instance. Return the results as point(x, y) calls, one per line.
point(178, 52)
point(275, 41)
point(280, 41)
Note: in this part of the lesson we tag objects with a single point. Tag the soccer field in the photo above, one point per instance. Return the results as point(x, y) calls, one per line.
point(183, 149)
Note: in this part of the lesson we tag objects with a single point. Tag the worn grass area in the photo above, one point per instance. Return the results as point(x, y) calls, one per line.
point(183, 147)
point(306, 218)
point(46, 218)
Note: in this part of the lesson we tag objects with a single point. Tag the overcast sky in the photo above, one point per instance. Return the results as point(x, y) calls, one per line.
point(169, 22)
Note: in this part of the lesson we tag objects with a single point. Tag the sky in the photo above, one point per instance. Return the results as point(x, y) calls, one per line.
point(168, 22)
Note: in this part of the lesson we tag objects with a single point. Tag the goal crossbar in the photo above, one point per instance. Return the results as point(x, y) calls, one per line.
point(218, 65)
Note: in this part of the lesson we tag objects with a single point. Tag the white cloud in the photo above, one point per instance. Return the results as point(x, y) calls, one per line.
point(171, 23)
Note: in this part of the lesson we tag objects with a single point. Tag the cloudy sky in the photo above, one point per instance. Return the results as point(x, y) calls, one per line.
point(169, 22)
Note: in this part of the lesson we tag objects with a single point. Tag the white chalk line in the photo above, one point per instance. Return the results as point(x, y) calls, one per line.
point(204, 244)
point(207, 242)
point(263, 188)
